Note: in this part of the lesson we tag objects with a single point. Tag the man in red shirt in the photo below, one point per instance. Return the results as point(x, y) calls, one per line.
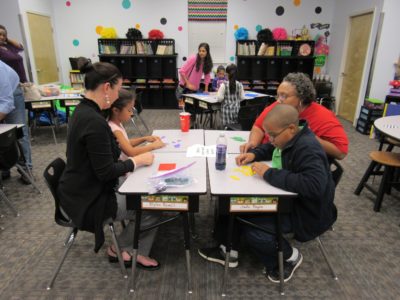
point(298, 90)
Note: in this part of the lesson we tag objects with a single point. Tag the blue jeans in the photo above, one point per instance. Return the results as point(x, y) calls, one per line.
point(264, 244)
point(18, 116)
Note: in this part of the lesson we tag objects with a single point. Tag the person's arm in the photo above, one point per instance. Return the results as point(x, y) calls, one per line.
point(207, 79)
point(185, 70)
point(242, 94)
point(221, 92)
point(6, 96)
point(129, 150)
point(255, 138)
point(331, 149)
point(15, 44)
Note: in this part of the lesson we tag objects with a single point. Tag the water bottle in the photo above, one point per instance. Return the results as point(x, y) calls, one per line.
point(220, 159)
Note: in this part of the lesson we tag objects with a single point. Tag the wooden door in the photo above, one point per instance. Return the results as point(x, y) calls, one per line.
point(44, 54)
point(360, 28)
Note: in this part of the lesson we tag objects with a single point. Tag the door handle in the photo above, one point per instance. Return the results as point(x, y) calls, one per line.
point(38, 70)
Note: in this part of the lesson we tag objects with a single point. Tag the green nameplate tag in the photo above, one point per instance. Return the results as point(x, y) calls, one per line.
point(203, 104)
point(253, 204)
point(165, 202)
point(189, 100)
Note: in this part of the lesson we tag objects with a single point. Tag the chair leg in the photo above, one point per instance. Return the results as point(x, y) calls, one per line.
point(136, 127)
point(144, 123)
point(70, 231)
point(9, 203)
point(120, 259)
point(382, 188)
point(58, 268)
point(29, 177)
point(365, 177)
point(323, 251)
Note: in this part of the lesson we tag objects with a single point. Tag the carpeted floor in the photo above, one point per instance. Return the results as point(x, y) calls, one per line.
point(365, 245)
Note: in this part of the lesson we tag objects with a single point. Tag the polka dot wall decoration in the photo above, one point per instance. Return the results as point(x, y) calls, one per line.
point(280, 10)
point(99, 29)
point(126, 4)
point(75, 42)
point(236, 27)
point(297, 2)
point(68, 3)
point(318, 10)
point(180, 28)
point(232, 58)
point(258, 28)
point(184, 58)
point(163, 21)
point(137, 26)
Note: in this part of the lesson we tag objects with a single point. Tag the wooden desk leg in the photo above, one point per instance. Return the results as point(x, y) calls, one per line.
point(228, 254)
point(135, 249)
point(280, 252)
point(185, 221)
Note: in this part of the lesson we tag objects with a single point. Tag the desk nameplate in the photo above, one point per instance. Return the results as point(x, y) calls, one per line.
point(203, 104)
point(189, 100)
point(253, 204)
point(41, 104)
point(165, 202)
point(72, 102)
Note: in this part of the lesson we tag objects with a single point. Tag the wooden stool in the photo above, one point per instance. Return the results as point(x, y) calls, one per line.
point(391, 144)
point(390, 161)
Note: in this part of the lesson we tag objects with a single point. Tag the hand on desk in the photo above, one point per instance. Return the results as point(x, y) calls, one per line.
point(145, 159)
point(244, 159)
point(152, 138)
point(246, 147)
point(157, 144)
point(259, 168)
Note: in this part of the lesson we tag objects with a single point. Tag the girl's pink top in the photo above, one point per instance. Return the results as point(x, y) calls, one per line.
point(195, 76)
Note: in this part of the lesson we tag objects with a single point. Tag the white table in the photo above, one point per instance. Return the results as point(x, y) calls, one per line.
point(136, 186)
point(7, 127)
point(178, 141)
point(389, 126)
point(231, 183)
point(234, 139)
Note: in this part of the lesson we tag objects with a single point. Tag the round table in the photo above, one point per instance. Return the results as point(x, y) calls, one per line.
point(389, 126)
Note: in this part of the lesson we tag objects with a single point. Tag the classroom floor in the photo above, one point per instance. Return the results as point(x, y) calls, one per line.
point(365, 245)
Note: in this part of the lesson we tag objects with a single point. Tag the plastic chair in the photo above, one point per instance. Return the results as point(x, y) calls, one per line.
point(52, 175)
point(137, 109)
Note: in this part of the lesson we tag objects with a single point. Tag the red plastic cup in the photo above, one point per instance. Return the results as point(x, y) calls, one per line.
point(185, 121)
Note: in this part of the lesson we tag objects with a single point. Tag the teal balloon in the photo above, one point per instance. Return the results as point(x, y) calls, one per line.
point(232, 58)
point(75, 42)
point(258, 28)
point(126, 4)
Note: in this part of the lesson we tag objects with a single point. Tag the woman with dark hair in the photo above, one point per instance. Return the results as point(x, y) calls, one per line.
point(297, 90)
point(230, 94)
point(193, 70)
point(87, 187)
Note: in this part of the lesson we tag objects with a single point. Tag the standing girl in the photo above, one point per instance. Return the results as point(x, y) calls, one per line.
point(121, 111)
point(193, 70)
point(230, 94)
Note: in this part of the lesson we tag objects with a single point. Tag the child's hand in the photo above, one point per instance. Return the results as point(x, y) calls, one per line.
point(259, 168)
point(152, 138)
point(158, 144)
point(144, 159)
point(244, 159)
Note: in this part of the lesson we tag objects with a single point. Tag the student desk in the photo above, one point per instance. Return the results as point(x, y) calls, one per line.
point(178, 141)
point(389, 126)
point(208, 104)
point(229, 185)
point(7, 127)
point(234, 139)
point(136, 186)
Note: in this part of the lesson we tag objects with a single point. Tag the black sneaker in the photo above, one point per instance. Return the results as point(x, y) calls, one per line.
point(288, 270)
point(24, 179)
point(215, 254)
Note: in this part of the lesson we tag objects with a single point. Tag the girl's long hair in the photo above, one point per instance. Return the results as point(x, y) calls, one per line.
point(231, 70)
point(208, 63)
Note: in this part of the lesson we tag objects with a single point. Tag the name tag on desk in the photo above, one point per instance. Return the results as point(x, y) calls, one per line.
point(72, 102)
point(203, 104)
point(189, 100)
point(41, 104)
point(253, 204)
point(165, 202)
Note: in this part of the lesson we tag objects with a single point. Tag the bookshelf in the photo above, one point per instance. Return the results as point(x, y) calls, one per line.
point(76, 79)
point(263, 64)
point(148, 65)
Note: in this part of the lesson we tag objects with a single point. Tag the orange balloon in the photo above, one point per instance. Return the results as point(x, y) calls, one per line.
point(296, 2)
point(137, 26)
point(236, 27)
point(99, 29)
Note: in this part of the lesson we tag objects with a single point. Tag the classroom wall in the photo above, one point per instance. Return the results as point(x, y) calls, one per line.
point(388, 50)
point(255, 14)
point(76, 24)
point(343, 10)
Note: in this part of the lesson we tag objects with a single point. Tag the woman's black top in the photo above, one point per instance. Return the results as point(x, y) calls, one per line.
point(87, 187)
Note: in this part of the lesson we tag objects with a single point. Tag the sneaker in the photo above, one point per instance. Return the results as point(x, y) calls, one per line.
point(24, 179)
point(288, 270)
point(215, 254)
